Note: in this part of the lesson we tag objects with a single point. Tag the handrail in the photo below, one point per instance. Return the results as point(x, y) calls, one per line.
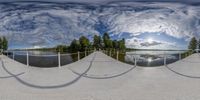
point(58, 55)
point(163, 55)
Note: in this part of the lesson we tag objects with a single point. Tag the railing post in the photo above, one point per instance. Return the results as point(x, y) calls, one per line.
point(117, 55)
point(186, 54)
point(27, 58)
point(13, 55)
point(85, 54)
point(179, 56)
point(110, 53)
point(78, 55)
point(135, 63)
point(165, 60)
point(59, 60)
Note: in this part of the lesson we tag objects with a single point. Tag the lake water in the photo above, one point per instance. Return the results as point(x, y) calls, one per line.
point(45, 58)
point(50, 58)
point(151, 58)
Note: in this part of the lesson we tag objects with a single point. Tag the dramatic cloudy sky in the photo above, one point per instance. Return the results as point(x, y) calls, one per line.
point(156, 24)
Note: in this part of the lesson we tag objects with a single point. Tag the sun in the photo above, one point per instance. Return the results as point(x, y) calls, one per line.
point(36, 47)
point(149, 59)
point(150, 40)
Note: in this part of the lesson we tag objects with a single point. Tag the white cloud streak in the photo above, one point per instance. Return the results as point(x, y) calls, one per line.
point(60, 23)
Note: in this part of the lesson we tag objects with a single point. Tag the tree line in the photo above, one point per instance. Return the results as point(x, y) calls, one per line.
point(84, 44)
point(194, 44)
point(3, 43)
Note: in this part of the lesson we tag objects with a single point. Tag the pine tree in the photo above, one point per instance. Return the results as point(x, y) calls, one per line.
point(106, 40)
point(1, 43)
point(97, 42)
point(193, 44)
point(4, 43)
point(75, 46)
point(84, 42)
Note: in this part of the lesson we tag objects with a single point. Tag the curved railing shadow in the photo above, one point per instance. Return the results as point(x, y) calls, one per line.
point(10, 76)
point(104, 77)
point(47, 87)
point(183, 60)
point(184, 75)
point(181, 74)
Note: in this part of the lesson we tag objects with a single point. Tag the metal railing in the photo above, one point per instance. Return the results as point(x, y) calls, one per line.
point(135, 60)
point(59, 59)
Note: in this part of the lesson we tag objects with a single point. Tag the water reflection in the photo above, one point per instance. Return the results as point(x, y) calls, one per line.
point(150, 58)
point(45, 58)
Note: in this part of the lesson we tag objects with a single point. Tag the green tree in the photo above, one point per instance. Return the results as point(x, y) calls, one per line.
point(1, 43)
point(97, 41)
point(121, 44)
point(199, 44)
point(115, 44)
point(75, 46)
point(110, 44)
point(84, 42)
point(106, 40)
point(61, 48)
point(4, 43)
point(192, 44)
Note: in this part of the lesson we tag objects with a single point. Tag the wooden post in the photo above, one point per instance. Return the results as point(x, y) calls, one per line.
point(59, 64)
point(85, 54)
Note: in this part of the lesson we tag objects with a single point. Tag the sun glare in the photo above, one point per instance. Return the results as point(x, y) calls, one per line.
point(149, 59)
point(150, 40)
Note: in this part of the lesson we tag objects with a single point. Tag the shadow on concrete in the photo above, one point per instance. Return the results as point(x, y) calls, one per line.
point(103, 77)
point(184, 75)
point(10, 76)
point(181, 74)
point(47, 87)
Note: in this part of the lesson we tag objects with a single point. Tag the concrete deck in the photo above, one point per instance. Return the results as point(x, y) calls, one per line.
point(99, 77)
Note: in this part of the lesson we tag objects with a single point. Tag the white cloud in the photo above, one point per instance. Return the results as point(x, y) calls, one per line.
point(57, 23)
point(154, 44)
point(177, 20)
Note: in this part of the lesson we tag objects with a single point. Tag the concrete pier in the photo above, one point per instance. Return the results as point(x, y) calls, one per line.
point(100, 77)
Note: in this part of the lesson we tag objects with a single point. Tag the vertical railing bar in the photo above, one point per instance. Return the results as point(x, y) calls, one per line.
point(164, 59)
point(59, 64)
point(27, 58)
point(135, 63)
point(117, 55)
point(78, 55)
point(13, 55)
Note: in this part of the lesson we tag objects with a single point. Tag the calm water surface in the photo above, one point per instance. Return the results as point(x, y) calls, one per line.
point(150, 58)
point(45, 58)
point(50, 58)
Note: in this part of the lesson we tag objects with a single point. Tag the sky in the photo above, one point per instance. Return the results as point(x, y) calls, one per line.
point(144, 25)
point(106, 1)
